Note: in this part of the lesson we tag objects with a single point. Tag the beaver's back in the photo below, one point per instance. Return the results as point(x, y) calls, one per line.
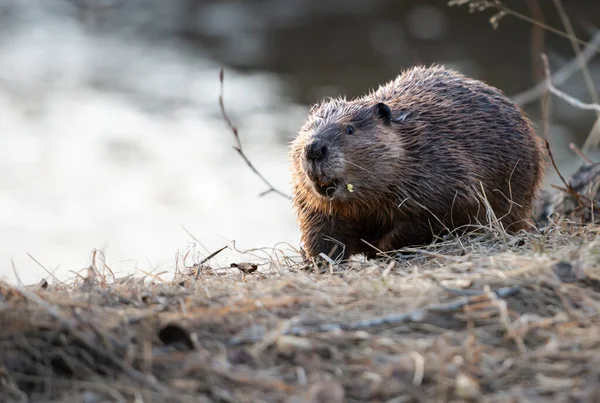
point(458, 132)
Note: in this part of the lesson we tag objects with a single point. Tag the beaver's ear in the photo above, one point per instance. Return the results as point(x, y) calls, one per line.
point(383, 112)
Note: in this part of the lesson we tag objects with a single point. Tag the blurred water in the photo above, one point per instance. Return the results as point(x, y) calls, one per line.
point(83, 167)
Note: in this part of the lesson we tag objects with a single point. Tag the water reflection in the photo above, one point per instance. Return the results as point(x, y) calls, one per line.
point(87, 159)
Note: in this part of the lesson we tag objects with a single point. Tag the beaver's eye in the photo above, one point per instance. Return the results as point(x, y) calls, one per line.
point(350, 129)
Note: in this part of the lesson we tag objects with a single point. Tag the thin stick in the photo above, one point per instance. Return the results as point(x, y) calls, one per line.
point(239, 148)
point(582, 64)
point(206, 259)
point(416, 315)
point(586, 75)
point(560, 76)
point(45, 269)
point(503, 8)
point(577, 151)
point(573, 101)
point(593, 138)
point(568, 186)
point(12, 262)
point(537, 38)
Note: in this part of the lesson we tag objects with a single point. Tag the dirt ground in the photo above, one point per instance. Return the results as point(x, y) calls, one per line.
point(489, 318)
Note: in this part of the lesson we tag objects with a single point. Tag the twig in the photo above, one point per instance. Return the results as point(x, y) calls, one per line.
point(593, 138)
point(503, 9)
point(537, 38)
point(582, 63)
point(12, 262)
point(206, 259)
point(416, 315)
point(568, 188)
point(595, 133)
point(560, 76)
point(580, 153)
point(582, 197)
point(429, 253)
point(573, 101)
point(195, 239)
point(239, 148)
point(45, 269)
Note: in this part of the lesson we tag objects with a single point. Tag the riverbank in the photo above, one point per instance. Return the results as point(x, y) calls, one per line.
point(487, 318)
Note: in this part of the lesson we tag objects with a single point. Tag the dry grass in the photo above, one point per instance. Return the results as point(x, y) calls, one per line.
point(493, 318)
point(489, 317)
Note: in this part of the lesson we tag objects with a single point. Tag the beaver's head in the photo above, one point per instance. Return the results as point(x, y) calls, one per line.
point(348, 150)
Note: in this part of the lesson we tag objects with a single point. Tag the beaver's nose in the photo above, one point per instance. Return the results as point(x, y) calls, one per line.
point(316, 150)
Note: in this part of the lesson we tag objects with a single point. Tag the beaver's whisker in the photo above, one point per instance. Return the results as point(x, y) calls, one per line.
point(358, 166)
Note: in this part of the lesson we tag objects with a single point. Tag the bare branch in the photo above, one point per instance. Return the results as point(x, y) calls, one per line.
point(239, 148)
point(561, 75)
point(568, 187)
point(593, 139)
point(593, 136)
point(571, 100)
point(206, 259)
point(582, 63)
point(577, 151)
point(415, 315)
point(478, 5)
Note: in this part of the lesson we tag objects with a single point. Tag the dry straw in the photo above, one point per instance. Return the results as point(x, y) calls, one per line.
point(486, 317)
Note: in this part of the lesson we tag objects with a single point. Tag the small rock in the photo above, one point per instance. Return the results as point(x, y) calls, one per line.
point(467, 387)
point(564, 271)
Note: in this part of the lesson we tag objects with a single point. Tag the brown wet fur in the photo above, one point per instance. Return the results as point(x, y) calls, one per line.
point(450, 140)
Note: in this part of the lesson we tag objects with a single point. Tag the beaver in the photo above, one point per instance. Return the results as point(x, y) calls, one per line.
point(429, 152)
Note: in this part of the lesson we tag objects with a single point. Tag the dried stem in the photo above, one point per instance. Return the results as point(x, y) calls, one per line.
point(416, 315)
point(592, 137)
point(582, 63)
point(240, 150)
point(537, 39)
point(580, 153)
point(568, 188)
point(206, 259)
point(571, 100)
point(559, 76)
point(501, 7)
